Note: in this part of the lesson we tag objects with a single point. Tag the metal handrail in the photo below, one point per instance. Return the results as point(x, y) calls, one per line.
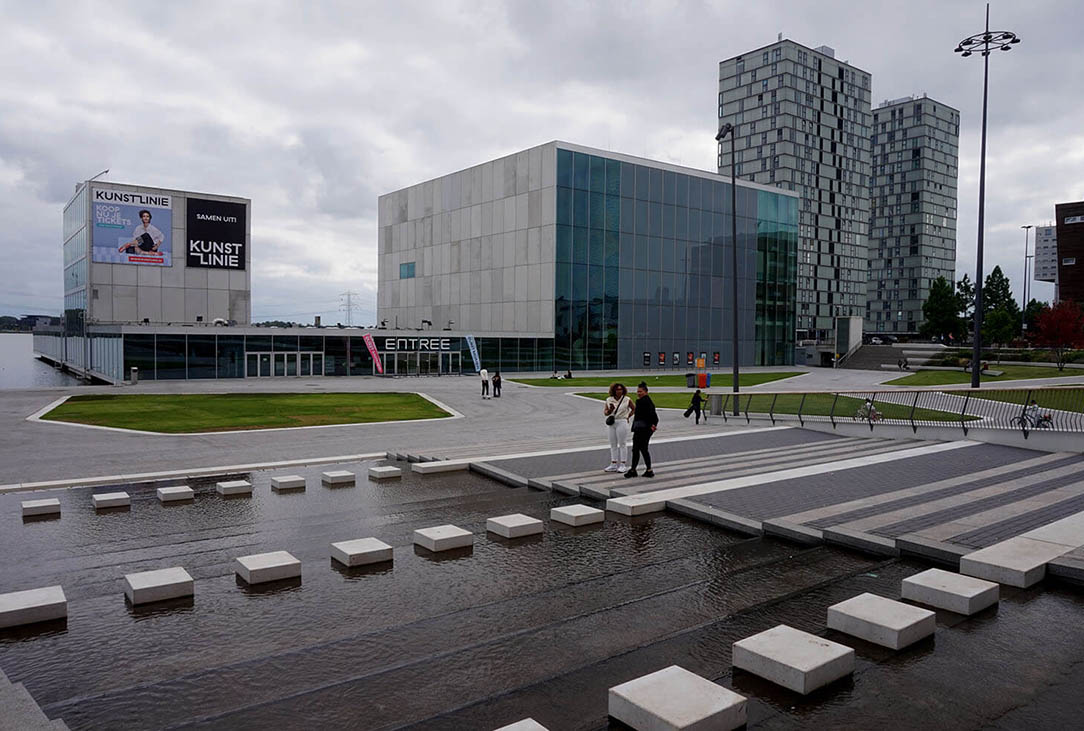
point(1056, 408)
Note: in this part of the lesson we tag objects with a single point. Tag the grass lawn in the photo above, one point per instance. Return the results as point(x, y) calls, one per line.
point(1012, 373)
point(816, 404)
point(718, 380)
point(1059, 399)
point(175, 414)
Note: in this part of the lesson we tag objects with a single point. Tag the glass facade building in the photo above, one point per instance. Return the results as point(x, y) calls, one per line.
point(611, 260)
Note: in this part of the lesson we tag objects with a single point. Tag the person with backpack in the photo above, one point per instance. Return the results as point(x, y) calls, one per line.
point(645, 420)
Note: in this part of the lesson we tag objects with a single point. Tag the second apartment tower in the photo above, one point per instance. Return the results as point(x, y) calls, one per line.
point(804, 124)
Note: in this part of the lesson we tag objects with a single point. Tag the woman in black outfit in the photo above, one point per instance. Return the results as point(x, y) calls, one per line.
point(644, 422)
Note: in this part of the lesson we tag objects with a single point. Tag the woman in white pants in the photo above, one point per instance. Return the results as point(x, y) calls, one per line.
point(620, 408)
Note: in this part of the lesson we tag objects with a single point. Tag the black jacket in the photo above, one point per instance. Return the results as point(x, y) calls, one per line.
point(645, 416)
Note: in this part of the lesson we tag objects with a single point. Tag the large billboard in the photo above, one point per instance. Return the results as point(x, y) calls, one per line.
point(131, 228)
point(216, 234)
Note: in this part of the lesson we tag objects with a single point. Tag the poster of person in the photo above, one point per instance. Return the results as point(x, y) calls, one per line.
point(131, 228)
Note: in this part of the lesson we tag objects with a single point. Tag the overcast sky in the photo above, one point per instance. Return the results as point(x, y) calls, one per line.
point(312, 109)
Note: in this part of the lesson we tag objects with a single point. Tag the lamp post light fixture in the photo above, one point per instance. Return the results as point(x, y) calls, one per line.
point(983, 43)
point(732, 130)
point(1024, 302)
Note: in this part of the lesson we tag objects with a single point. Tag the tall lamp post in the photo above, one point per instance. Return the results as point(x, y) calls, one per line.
point(730, 129)
point(1027, 231)
point(983, 43)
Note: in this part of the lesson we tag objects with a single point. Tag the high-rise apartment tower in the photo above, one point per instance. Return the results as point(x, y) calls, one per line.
point(804, 124)
point(913, 209)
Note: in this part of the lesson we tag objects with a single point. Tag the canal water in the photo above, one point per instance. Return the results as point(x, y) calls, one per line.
point(479, 638)
point(20, 369)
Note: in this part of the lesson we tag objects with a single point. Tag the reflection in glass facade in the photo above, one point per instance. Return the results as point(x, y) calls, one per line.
point(643, 265)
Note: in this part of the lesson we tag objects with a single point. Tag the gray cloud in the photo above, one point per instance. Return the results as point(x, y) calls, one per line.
point(314, 109)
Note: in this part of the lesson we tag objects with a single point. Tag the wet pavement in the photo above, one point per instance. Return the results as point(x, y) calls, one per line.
point(481, 637)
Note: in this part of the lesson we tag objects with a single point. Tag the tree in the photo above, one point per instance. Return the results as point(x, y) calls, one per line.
point(940, 311)
point(1061, 328)
point(1031, 315)
point(997, 295)
point(998, 327)
point(965, 302)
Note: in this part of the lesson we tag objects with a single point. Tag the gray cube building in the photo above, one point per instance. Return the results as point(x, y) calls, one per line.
point(803, 120)
point(591, 260)
point(913, 215)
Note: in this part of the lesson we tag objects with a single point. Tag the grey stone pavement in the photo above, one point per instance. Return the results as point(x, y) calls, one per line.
point(525, 419)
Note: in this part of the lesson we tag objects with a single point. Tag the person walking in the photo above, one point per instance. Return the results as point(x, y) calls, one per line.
point(497, 384)
point(617, 410)
point(696, 406)
point(645, 420)
point(485, 383)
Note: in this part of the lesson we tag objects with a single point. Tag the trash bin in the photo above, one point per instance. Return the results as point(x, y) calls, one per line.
point(134, 375)
point(715, 403)
point(701, 380)
point(690, 380)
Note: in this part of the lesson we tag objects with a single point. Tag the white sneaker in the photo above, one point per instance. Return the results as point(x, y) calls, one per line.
point(622, 468)
point(612, 468)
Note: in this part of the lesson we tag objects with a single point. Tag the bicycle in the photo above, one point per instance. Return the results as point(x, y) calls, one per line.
point(1026, 421)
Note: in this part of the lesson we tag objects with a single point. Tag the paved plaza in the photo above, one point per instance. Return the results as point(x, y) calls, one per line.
point(745, 527)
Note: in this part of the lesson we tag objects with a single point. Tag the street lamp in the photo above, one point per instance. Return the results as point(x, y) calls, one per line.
point(730, 129)
point(1024, 303)
point(983, 42)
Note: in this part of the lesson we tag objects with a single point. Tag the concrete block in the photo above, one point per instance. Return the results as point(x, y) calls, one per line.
point(287, 482)
point(882, 621)
point(432, 468)
point(527, 724)
point(867, 542)
point(234, 487)
point(576, 515)
point(337, 477)
point(1017, 562)
point(172, 494)
point(384, 473)
point(674, 698)
point(32, 605)
point(946, 590)
point(443, 538)
point(156, 586)
point(49, 506)
point(111, 500)
point(516, 525)
point(794, 659)
point(260, 568)
point(635, 505)
point(792, 531)
point(360, 552)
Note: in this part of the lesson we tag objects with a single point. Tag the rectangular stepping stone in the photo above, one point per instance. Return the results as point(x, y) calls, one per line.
point(171, 494)
point(882, 621)
point(287, 482)
point(794, 659)
point(576, 515)
point(384, 472)
point(234, 487)
point(636, 505)
point(49, 506)
point(360, 551)
point(156, 586)
point(260, 568)
point(527, 724)
point(516, 525)
point(1017, 562)
point(111, 500)
point(954, 592)
point(32, 605)
point(337, 477)
point(443, 538)
point(674, 698)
